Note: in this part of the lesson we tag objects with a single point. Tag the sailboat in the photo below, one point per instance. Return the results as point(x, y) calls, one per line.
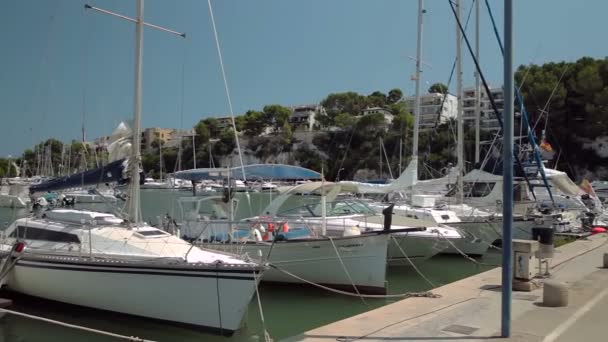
point(101, 261)
point(300, 253)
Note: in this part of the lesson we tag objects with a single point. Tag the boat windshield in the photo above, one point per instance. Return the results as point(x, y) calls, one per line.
point(337, 208)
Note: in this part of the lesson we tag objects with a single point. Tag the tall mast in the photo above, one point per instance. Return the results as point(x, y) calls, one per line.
point(134, 210)
point(477, 85)
point(160, 160)
point(194, 150)
point(134, 205)
point(414, 161)
point(459, 147)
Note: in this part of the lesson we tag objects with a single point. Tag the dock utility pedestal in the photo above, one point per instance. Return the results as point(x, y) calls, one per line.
point(524, 264)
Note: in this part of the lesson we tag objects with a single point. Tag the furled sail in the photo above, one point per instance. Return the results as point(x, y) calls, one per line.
point(114, 172)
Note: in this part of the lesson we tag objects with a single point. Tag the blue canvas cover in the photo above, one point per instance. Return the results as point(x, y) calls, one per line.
point(252, 172)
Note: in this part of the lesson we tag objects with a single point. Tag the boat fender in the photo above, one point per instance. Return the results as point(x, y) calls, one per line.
point(257, 235)
point(351, 231)
point(285, 228)
point(270, 232)
point(18, 248)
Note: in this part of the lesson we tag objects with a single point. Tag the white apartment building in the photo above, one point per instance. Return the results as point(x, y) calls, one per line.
point(488, 120)
point(431, 105)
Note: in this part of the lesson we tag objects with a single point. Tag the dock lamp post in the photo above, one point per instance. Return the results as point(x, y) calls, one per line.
point(507, 190)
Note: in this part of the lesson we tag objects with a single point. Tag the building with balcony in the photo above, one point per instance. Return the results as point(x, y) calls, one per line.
point(303, 118)
point(168, 136)
point(434, 109)
point(487, 118)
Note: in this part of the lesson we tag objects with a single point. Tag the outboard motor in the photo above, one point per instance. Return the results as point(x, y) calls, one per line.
point(545, 237)
point(587, 220)
point(388, 217)
point(68, 201)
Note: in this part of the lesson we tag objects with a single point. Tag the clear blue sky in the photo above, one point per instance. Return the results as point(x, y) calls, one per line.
point(58, 61)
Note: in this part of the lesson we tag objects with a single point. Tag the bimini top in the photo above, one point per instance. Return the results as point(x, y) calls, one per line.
point(252, 172)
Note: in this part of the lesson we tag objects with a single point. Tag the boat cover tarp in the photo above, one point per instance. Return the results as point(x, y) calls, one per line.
point(252, 172)
point(114, 172)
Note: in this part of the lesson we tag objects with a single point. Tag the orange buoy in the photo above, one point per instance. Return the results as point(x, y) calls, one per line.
point(285, 228)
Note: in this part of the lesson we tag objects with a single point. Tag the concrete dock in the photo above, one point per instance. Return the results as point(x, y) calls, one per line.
point(469, 309)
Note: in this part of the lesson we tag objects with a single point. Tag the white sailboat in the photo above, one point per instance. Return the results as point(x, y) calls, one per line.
point(417, 239)
point(343, 262)
point(96, 260)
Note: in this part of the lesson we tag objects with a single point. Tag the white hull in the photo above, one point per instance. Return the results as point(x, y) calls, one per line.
point(162, 292)
point(315, 260)
point(416, 248)
point(91, 198)
point(470, 244)
point(155, 185)
point(10, 201)
point(490, 231)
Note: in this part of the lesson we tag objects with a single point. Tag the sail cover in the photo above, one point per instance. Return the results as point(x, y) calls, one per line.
point(114, 172)
point(252, 172)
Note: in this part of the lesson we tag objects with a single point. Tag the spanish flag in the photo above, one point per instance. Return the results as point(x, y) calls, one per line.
point(544, 145)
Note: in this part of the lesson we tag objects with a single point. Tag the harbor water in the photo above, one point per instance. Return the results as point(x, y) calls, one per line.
point(288, 309)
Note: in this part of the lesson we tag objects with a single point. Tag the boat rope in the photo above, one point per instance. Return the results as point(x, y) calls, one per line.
point(267, 337)
point(227, 89)
point(346, 270)
point(427, 294)
point(412, 263)
point(217, 290)
point(9, 260)
point(491, 98)
point(465, 255)
point(74, 326)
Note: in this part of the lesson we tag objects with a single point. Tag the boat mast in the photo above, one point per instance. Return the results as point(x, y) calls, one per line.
point(459, 146)
point(414, 161)
point(194, 151)
point(134, 210)
point(133, 206)
point(477, 85)
point(160, 160)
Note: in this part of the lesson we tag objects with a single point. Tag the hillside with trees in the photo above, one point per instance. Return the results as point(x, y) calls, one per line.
point(568, 101)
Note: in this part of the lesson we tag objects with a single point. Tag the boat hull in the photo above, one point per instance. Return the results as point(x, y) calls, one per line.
point(315, 260)
point(10, 201)
point(164, 293)
point(415, 248)
point(490, 231)
point(92, 198)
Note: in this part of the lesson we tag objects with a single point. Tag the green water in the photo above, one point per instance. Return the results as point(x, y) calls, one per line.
point(288, 310)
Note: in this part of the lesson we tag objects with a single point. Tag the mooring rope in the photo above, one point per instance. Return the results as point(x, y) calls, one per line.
point(74, 326)
point(267, 337)
point(465, 255)
point(350, 294)
point(346, 270)
point(412, 263)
